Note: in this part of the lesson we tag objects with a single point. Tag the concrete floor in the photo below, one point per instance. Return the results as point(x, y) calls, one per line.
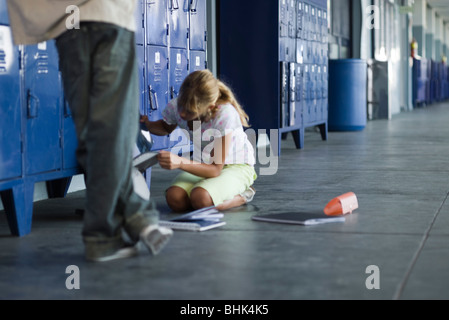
point(399, 170)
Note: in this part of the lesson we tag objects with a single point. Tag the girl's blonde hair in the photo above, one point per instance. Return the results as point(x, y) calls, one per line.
point(201, 90)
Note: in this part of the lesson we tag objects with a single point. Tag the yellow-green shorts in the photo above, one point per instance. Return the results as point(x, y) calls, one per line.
point(233, 180)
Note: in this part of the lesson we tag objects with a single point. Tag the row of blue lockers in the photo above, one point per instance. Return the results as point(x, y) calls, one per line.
point(305, 20)
point(304, 93)
point(430, 69)
point(430, 81)
point(34, 115)
point(171, 42)
point(176, 24)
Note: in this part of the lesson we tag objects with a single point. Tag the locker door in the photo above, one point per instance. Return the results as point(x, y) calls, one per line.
point(70, 142)
point(284, 94)
point(306, 21)
point(299, 94)
point(313, 93)
point(292, 18)
point(325, 88)
point(299, 19)
point(10, 116)
point(313, 20)
point(197, 61)
point(198, 20)
point(306, 95)
point(319, 24)
point(157, 86)
point(4, 19)
point(292, 94)
point(178, 17)
point(178, 72)
point(156, 22)
point(143, 102)
point(140, 22)
point(319, 93)
point(42, 108)
point(283, 19)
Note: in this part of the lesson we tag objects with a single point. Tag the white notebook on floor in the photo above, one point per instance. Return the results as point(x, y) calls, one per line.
point(198, 220)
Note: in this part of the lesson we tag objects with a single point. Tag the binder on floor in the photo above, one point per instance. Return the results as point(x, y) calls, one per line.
point(299, 218)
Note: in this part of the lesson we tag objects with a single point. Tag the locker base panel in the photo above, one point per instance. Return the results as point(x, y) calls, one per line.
point(17, 197)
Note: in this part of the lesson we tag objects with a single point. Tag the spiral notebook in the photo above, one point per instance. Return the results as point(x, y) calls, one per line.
point(301, 218)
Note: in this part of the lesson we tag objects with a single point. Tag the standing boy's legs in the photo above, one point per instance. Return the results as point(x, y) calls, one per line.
point(99, 70)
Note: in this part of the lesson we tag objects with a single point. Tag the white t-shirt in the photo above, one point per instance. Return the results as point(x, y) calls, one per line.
point(226, 121)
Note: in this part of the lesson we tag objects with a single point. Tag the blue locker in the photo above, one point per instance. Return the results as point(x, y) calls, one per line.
point(319, 22)
point(4, 19)
point(178, 17)
point(306, 21)
point(10, 115)
point(283, 19)
point(299, 94)
point(140, 53)
point(313, 23)
point(157, 82)
point(178, 70)
point(300, 51)
point(140, 22)
point(299, 19)
point(319, 92)
point(197, 18)
point(42, 108)
point(284, 94)
point(324, 27)
point(156, 22)
point(292, 95)
point(197, 61)
point(291, 7)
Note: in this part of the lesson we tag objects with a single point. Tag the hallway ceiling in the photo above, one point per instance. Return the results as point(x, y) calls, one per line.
point(441, 7)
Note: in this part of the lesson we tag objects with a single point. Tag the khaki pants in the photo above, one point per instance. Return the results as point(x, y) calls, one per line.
point(99, 71)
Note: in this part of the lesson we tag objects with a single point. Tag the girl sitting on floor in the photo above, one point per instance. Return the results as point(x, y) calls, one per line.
point(223, 174)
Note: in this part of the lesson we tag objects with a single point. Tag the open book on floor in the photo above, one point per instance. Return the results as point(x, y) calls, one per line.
point(301, 218)
point(199, 220)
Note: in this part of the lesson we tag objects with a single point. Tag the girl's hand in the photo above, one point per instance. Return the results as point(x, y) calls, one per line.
point(169, 161)
point(146, 121)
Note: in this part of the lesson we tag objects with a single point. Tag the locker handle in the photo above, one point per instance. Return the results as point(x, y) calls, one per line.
point(193, 6)
point(173, 92)
point(174, 5)
point(67, 112)
point(153, 98)
point(32, 105)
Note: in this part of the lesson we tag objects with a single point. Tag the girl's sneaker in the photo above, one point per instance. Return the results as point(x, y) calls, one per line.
point(248, 194)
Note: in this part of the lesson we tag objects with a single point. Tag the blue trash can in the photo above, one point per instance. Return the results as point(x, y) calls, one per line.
point(347, 95)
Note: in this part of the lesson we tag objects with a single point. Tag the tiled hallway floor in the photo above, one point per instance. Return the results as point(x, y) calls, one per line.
point(399, 169)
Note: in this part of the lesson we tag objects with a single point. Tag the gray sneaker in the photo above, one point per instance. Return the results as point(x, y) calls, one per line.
point(156, 237)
